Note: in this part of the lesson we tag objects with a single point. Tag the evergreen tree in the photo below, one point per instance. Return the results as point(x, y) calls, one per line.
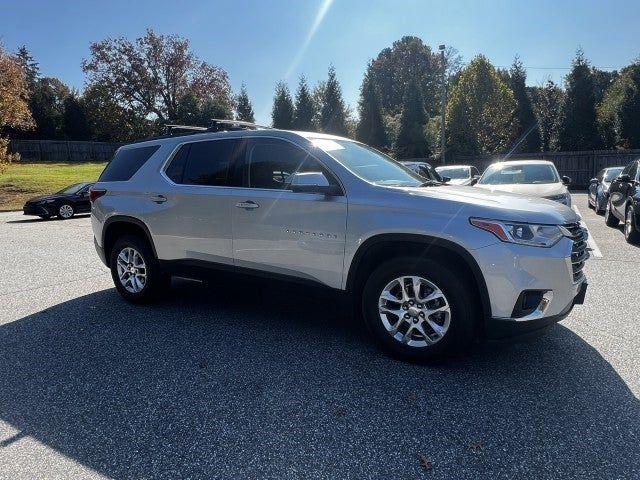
point(244, 110)
point(333, 114)
point(304, 109)
point(619, 111)
point(370, 128)
point(30, 66)
point(528, 133)
point(75, 123)
point(578, 130)
point(547, 104)
point(282, 113)
point(412, 140)
point(481, 111)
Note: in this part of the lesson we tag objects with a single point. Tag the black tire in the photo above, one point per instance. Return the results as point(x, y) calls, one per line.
point(156, 280)
point(465, 309)
point(597, 207)
point(589, 202)
point(66, 207)
point(631, 235)
point(609, 218)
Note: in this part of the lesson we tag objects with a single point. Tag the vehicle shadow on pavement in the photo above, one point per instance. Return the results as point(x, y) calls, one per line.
point(252, 379)
point(53, 219)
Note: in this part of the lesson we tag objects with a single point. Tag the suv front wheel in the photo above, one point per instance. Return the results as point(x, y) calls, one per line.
point(419, 309)
point(135, 270)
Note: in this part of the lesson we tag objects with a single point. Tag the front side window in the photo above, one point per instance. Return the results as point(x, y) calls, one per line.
point(633, 171)
point(611, 174)
point(531, 173)
point(271, 163)
point(369, 164)
point(202, 163)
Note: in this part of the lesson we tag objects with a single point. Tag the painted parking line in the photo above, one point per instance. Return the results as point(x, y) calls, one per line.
point(591, 242)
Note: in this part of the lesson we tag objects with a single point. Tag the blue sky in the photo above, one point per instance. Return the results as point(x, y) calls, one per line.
point(261, 42)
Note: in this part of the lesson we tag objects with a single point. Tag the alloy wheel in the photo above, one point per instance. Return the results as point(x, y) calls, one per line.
point(132, 270)
point(66, 211)
point(414, 311)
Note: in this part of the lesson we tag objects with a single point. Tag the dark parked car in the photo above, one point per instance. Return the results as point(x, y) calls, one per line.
point(599, 188)
point(424, 169)
point(64, 204)
point(624, 202)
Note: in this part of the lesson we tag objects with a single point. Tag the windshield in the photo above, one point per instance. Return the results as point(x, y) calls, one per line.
point(612, 173)
point(454, 172)
point(368, 163)
point(71, 189)
point(531, 173)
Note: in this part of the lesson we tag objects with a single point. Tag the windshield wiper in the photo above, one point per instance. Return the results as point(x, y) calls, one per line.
point(431, 183)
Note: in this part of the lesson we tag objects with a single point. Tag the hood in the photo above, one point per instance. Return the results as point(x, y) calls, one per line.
point(459, 181)
point(54, 196)
point(531, 189)
point(499, 205)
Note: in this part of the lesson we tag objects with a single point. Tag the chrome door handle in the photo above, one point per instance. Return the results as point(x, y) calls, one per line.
point(248, 205)
point(159, 199)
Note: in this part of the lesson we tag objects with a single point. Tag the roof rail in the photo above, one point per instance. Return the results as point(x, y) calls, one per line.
point(217, 125)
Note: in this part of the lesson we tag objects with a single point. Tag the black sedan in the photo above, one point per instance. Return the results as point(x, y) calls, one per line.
point(624, 202)
point(63, 204)
point(599, 188)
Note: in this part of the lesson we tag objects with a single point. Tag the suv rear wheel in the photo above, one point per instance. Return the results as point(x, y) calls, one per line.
point(630, 228)
point(135, 270)
point(418, 309)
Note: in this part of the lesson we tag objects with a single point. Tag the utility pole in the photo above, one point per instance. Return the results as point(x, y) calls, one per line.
point(444, 102)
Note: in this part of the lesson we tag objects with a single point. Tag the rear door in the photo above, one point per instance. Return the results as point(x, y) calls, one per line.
point(619, 190)
point(190, 214)
point(285, 232)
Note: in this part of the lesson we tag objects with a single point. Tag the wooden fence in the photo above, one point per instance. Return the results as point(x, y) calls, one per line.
point(580, 166)
point(62, 150)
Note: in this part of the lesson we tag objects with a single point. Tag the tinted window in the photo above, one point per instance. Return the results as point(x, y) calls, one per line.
point(126, 162)
point(611, 174)
point(175, 170)
point(271, 163)
point(633, 170)
point(207, 163)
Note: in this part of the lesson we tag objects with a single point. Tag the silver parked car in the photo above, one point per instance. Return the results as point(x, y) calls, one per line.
point(431, 266)
point(459, 174)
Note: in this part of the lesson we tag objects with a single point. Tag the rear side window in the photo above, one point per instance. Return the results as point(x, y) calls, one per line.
point(126, 162)
point(202, 163)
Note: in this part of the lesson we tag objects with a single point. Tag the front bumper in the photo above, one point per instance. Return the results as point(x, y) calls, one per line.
point(505, 328)
point(31, 209)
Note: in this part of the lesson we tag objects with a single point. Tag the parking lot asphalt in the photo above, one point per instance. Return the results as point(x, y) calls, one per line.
point(242, 379)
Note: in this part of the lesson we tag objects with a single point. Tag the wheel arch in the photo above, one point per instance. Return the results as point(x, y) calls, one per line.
point(119, 225)
point(384, 246)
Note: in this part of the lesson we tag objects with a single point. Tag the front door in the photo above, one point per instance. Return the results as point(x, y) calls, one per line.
point(281, 231)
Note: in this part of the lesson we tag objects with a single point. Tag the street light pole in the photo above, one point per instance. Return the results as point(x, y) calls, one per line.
point(444, 103)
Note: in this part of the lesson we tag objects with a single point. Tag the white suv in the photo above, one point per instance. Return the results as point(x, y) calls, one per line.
point(431, 266)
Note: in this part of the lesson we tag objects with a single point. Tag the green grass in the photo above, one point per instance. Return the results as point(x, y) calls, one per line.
point(22, 181)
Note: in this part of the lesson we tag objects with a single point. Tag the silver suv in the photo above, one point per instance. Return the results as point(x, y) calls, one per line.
point(430, 266)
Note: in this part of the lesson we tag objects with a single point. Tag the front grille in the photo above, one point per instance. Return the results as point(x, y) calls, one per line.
point(579, 253)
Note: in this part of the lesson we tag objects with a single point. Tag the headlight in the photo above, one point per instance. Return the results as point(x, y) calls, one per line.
point(562, 198)
point(521, 233)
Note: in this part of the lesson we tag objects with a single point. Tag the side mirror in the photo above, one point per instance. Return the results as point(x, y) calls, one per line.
point(624, 178)
point(566, 180)
point(446, 179)
point(474, 180)
point(313, 182)
point(593, 180)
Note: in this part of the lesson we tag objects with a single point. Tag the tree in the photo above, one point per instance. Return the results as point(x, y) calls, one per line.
point(110, 121)
point(333, 113)
point(370, 128)
point(406, 60)
point(528, 132)
point(318, 101)
point(619, 111)
point(47, 107)
point(547, 104)
point(282, 113)
point(244, 109)
point(578, 128)
point(29, 65)
point(481, 111)
point(412, 141)
point(14, 106)
point(152, 75)
point(304, 108)
point(75, 123)
point(195, 110)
